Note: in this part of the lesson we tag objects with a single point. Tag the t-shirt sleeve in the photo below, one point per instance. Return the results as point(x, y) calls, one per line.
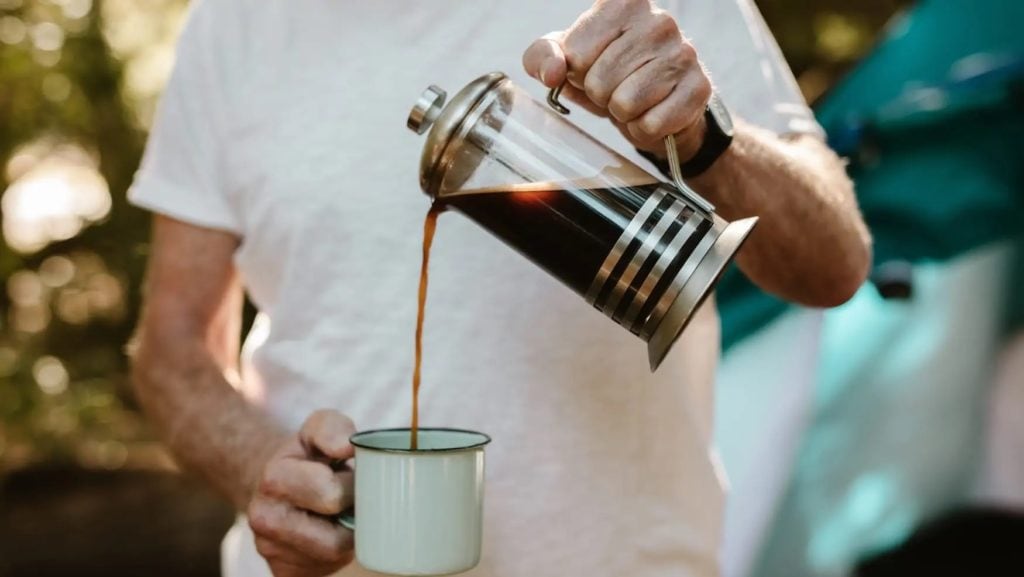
point(745, 64)
point(181, 174)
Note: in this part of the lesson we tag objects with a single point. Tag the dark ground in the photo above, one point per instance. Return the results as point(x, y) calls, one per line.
point(64, 522)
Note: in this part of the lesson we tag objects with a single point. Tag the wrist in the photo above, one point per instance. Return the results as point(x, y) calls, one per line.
point(274, 442)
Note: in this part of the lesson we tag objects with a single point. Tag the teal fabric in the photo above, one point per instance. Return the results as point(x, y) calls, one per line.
point(932, 121)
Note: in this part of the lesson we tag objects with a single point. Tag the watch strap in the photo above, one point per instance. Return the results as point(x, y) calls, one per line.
point(716, 141)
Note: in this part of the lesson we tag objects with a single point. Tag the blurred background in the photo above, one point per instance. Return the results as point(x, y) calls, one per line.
point(85, 489)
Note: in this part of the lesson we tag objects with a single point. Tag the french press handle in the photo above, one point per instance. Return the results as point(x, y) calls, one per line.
point(698, 201)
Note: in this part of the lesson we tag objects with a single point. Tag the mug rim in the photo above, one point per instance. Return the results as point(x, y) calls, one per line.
point(354, 440)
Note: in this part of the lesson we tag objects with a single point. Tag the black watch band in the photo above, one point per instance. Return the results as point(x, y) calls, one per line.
point(717, 140)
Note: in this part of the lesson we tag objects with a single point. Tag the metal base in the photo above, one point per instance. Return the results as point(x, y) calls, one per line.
point(697, 288)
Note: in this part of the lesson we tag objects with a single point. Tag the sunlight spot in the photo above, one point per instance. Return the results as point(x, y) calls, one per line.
point(12, 30)
point(30, 319)
point(53, 200)
point(47, 36)
point(25, 288)
point(50, 375)
point(57, 271)
point(73, 306)
point(840, 36)
point(105, 294)
point(56, 87)
point(75, 9)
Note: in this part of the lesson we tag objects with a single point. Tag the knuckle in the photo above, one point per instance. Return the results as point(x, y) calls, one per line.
point(537, 48)
point(334, 497)
point(649, 126)
point(631, 5)
point(318, 416)
point(596, 88)
point(260, 521)
point(686, 52)
point(270, 483)
point(336, 419)
point(574, 58)
point(325, 546)
point(664, 25)
point(623, 107)
point(265, 549)
point(346, 422)
point(703, 90)
point(329, 491)
point(535, 55)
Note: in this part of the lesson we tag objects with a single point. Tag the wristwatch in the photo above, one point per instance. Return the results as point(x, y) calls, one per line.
point(717, 139)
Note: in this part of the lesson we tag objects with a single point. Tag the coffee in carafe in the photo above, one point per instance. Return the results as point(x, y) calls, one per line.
point(644, 252)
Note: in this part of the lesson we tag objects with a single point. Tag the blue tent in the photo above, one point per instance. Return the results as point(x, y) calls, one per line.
point(932, 122)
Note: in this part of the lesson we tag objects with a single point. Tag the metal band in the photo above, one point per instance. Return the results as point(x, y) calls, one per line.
point(666, 258)
point(649, 244)
point(669, 295)
point(625, 238)
point(698, 201)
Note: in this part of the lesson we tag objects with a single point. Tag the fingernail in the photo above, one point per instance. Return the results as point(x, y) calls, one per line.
point(544, 75)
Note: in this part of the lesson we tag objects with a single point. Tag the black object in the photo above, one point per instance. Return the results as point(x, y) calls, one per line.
point(969, 542)
point(894, 280)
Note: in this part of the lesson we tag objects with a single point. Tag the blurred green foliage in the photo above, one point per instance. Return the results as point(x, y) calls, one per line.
point(82, 75)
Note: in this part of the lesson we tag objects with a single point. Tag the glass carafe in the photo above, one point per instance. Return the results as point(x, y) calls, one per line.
point(644, 252)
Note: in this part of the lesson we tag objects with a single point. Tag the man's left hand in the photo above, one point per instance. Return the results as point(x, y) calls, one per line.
point(627, 60)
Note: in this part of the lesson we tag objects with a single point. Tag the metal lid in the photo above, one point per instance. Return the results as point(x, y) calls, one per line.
point(697, 289)
point(426, 110)
point(444, 124)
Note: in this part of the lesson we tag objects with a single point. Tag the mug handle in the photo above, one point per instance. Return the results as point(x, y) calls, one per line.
point(347, 519)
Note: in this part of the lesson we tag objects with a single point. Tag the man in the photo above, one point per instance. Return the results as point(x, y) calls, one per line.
point(280, 161)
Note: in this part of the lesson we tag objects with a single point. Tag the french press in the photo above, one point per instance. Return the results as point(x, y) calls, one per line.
point(644, 252)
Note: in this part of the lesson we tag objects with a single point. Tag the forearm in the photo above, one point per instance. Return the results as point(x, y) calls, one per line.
point(811, 245)
point(211, 429)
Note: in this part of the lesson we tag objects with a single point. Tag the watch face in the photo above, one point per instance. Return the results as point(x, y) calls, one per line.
point(721, 114)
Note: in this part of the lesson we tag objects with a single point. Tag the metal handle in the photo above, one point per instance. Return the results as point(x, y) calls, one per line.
point(699, 202)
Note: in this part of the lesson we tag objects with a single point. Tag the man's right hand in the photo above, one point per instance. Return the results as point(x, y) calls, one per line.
point(298, 494)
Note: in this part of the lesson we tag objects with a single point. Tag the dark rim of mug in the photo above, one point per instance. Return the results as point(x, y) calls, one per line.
point(354, 439)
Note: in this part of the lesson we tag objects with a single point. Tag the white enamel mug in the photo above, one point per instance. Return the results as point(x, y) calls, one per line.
point(419, 512)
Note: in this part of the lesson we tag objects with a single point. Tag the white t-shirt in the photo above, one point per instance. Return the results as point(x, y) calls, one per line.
point(284, 122)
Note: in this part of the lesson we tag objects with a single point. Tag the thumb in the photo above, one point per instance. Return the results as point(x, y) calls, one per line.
point(545, 59)
point(325, 434)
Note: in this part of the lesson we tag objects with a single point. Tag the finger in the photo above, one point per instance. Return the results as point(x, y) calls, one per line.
point(579, 98)
point(593, 32)
point(316, 538)
point(308, 485)
point(545, 61)
point(681, 109)
point(286, 561)
point(643, 90)
point(326, 433)
point(619, 60)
